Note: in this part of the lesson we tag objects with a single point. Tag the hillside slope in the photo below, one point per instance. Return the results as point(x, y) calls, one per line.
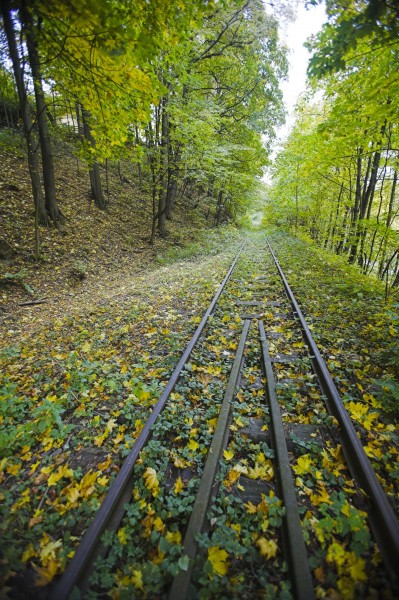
point(94, 254)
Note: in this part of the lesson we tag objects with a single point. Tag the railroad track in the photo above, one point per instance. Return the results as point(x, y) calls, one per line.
point(219, 493)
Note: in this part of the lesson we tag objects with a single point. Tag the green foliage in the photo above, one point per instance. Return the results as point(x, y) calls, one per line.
point(18, 278)
point(209, 242)
point(388, 391)
point(349, 24)
point(336, 178)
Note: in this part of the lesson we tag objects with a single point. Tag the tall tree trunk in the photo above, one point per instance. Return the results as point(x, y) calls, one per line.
point(31, 144)
point(334, 228)
point(139, 168)
point(150, 145)
point(172, 192)
point(41, 116)
point(163, 168)
point(94, 171)
point(356, 209)
point(78, 121)
point(388, 223)
point(219, 207)
point(174, 154)
point(367, 201)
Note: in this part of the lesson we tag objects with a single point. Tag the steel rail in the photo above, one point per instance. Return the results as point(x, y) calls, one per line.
point(181, 583)
point(293, 541)
point(112, 507)
point(383, 520)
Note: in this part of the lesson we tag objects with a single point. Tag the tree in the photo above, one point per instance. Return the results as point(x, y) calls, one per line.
point(353, 146)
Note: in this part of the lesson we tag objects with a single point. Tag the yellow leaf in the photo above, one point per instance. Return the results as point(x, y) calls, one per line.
point(261, 458)
point(137, 579)
point(192, 445)
point(37, 518)
point(174, 537)
point(99, 439)
point(357, 569)
point(13, 469)
point(211, 424)
point(303, 464)
point(122, 536)
point(111, 425)
point(266, 547)
point(323, 497)
point(61, 472)
point(48, 548)
point(236, 527)
point(179, 486)
point(119, 438)
point(73, 494)
point(180, 463)
point(158, 524)
point(228, 454)
point(103, 480)
point(217, 557)
point(151, 481)
point(28, 553)
point(251, 508)
point(87, 484)
point(86, 347)
point(232, 476)
point(104, 465)
point(34, 467)
point(47, 573)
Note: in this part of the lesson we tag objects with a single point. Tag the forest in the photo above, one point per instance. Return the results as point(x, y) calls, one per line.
point(336, 177)
point(141, 159)
point(185, 94)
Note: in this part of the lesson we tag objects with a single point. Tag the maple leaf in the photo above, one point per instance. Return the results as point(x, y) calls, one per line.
point(103, 480)
point(179, 485)
point(323, 497)
point(303, 464)
point(61, 472)
point(228, 454)
point(218, 557)
point(111, 425)
point(122, 536)
point(192, 445)
point(87, 486)
point(48, 548)
point(137, 579)
point(73, 495)
point(251, 508)
point(46, 573)
point(180, 463)
point(232, 476)
point(267, 548)
point(158, 524)
point(357, 568)
point(37, 518)
point(174, 537)
point(151, 481)
point(29, 552)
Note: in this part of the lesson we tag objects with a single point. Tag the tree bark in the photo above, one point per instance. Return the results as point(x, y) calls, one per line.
point(94, 171)
point(31, 143)
point(356, 208)
point(163, 168)
point(139, 168)
point(219, 207)
point(388, 224)
point(41, 116)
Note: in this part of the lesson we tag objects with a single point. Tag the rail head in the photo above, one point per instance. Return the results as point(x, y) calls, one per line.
point(383, 520)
